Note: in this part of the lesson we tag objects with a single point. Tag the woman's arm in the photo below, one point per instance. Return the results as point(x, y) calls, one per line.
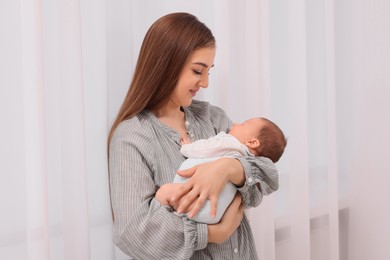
point(142, 224)
point(261, 178)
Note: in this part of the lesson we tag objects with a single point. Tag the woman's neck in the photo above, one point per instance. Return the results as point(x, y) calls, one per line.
point(172, 116)
point(170, 111)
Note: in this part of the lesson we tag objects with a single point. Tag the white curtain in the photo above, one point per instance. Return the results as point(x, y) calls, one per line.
point(319, 69)
point(54, 189)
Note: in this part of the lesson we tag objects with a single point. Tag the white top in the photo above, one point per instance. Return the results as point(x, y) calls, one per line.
point(222, 144)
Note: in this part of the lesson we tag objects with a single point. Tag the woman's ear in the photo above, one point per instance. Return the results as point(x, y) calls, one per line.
point(253, 143)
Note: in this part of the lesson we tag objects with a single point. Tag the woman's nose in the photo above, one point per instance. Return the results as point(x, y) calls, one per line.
point(204, 82)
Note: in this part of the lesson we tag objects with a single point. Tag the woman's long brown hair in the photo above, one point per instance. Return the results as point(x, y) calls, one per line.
point(166, 47)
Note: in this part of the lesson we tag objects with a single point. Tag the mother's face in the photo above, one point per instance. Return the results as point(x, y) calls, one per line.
point(194, 75)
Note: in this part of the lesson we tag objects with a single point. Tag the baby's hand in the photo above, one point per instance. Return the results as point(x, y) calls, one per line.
point(164, 193)
point(185, 140)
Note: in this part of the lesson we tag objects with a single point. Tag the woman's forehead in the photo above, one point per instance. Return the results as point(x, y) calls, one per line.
point(203, 57)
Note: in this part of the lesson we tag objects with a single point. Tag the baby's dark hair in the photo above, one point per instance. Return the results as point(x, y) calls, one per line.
point(272, 141)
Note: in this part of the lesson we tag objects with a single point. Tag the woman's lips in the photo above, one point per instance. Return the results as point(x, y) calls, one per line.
point(193, 92)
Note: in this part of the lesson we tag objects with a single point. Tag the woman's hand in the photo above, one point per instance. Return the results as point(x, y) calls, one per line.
point(230, 221)
point(206, 182)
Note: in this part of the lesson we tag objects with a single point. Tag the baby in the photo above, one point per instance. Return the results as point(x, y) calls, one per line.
point(254, 137)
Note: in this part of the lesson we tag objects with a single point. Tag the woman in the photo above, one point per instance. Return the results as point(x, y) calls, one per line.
point(144, 153)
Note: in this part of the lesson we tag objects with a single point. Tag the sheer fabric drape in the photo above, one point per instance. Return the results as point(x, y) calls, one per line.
point(54, 192)
point(319, 69)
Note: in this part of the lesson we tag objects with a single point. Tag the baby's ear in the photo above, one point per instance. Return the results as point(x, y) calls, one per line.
point(253, 143)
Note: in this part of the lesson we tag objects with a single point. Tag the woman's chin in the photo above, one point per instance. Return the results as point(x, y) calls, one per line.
point(187, 103)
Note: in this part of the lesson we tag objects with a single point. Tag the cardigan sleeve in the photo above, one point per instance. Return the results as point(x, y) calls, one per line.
point(261, 178)
point(143, 228)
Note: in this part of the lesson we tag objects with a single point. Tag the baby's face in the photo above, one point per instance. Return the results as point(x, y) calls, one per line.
point(247, 130)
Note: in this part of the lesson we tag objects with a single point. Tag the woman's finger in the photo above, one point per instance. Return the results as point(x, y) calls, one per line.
point(198, 205)
point(181, 191)
point(187, 200)
point(187, 173)
point(213, 204)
